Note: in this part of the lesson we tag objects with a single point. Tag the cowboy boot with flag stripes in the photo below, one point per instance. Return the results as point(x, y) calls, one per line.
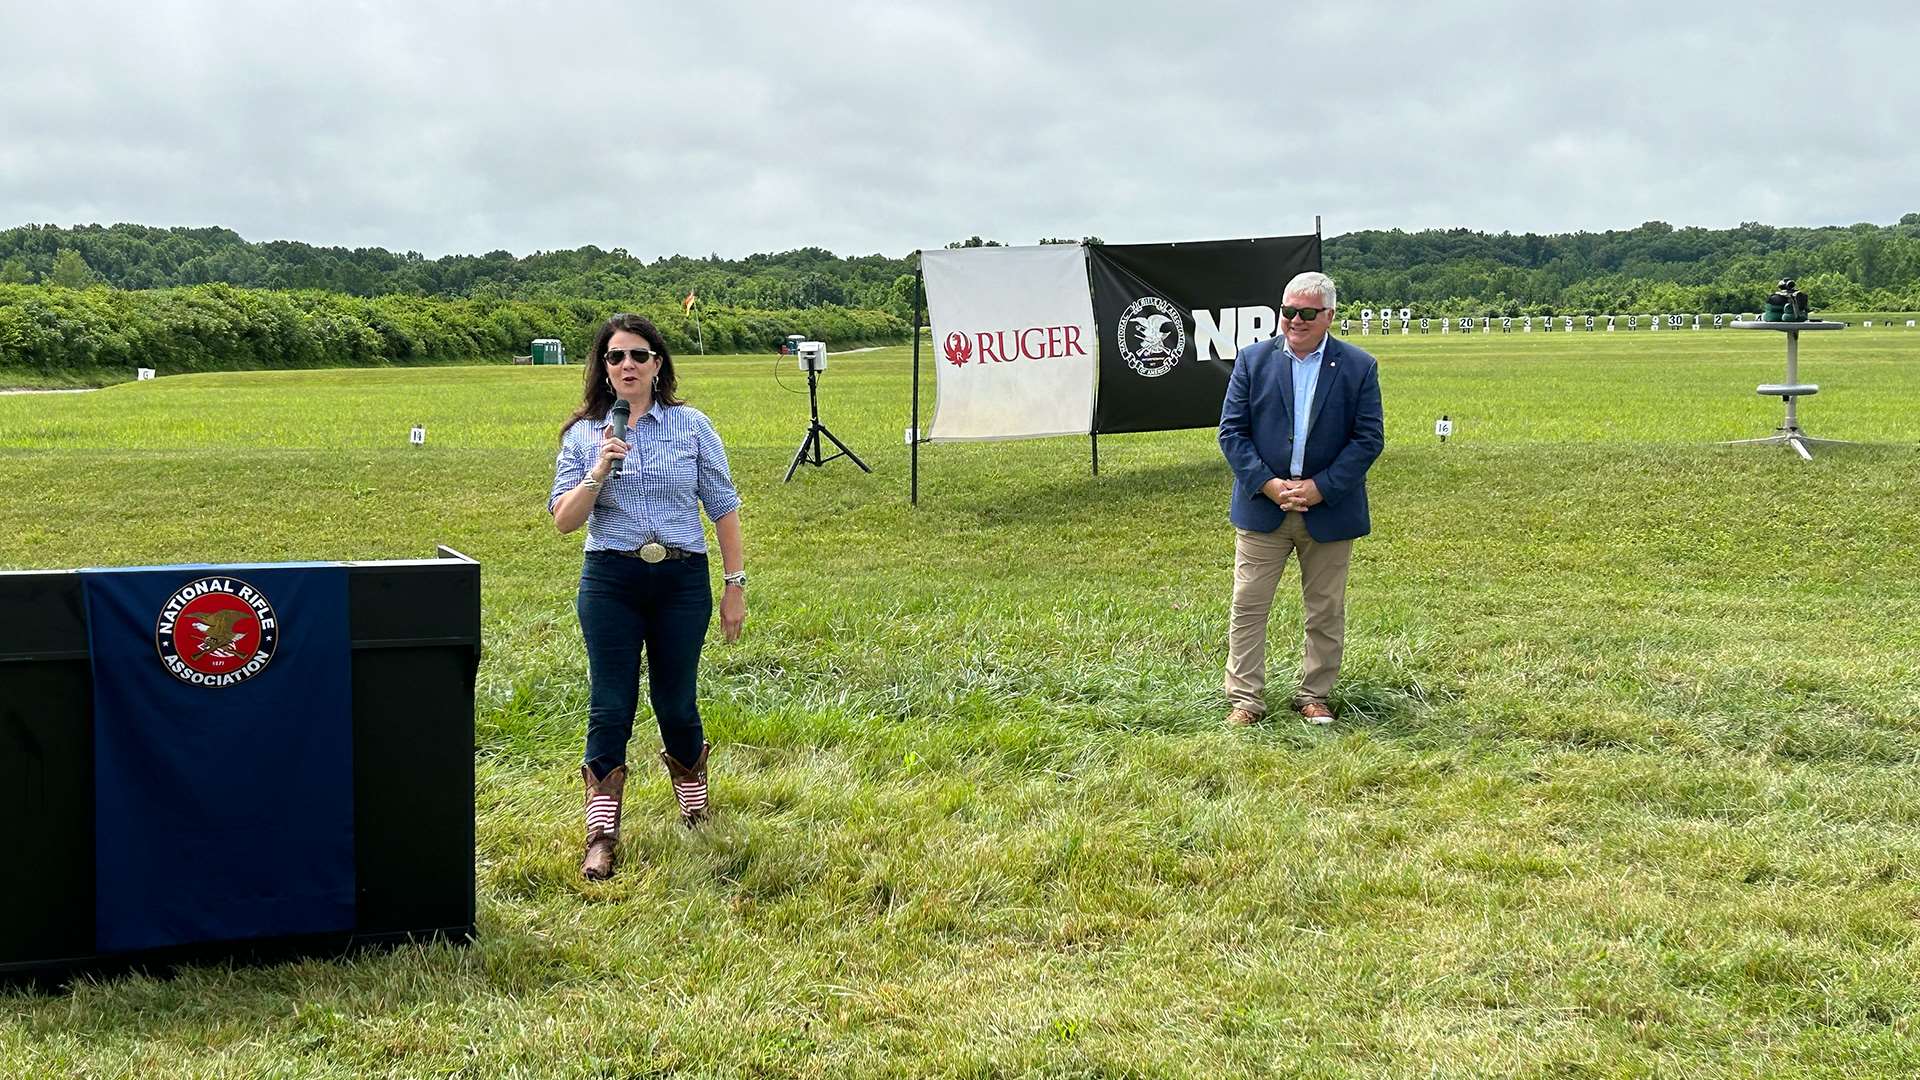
point(603, 821)
point(689, 785)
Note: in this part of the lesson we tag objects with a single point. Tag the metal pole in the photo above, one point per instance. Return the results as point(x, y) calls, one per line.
point(913, 434)
point(1793, 378)
point(1093, 422)
point(813, 411)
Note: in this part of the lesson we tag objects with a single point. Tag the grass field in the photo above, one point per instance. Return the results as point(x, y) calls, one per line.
point(1624, 783)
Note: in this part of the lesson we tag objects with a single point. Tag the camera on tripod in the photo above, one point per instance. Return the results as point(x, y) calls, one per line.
point(812, 358)
point(1787, 304)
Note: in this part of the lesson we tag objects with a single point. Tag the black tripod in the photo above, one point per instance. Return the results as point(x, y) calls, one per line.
point(815, 429)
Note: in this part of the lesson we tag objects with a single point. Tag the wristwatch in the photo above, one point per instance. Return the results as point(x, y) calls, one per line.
point(737, 578)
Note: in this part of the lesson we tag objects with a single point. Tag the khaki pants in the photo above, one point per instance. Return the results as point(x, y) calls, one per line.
point(1258, 561)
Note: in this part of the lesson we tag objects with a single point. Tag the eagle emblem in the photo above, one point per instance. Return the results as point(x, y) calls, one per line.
point(1155, 333)
point(1153, 336)
point(958, 349)
point(216, 631)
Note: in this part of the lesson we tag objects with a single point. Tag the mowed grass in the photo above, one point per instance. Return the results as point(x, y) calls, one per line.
point(1624, 783)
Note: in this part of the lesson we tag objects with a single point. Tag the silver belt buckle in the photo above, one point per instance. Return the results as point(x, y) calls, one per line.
point(652, 551)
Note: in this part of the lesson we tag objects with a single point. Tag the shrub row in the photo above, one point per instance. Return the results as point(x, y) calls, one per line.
point(49, 329)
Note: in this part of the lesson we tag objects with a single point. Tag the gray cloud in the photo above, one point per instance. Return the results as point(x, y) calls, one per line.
point(737, 126)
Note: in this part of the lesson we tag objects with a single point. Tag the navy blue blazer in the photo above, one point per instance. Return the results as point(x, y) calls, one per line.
point(1345, 432)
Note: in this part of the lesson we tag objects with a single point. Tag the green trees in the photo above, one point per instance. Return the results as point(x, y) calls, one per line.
point(1654, 265)
point(71, 271)
point(142, 257)
point(51, 328)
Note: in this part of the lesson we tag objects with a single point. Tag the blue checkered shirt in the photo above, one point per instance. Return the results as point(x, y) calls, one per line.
point(676, 458)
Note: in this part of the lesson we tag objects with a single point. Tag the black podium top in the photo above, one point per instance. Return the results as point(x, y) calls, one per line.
point(414, 630)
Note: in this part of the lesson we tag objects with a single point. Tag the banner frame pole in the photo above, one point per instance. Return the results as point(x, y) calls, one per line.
point(913, 442)
point(1093, 420)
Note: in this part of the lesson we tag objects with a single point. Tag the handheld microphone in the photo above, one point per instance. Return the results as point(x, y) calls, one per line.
point(617, 420)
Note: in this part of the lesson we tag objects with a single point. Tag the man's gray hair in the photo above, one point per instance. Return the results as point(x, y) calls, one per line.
point(1315, 282)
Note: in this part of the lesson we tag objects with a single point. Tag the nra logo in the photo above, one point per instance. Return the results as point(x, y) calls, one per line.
point(217, 631)
point(1153, 336)
point(1221, 334)
point(1007, 346)
point(1153, 333)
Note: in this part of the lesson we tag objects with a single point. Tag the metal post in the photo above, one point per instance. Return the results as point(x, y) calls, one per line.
point(813, 412)
point(1793, 379)
point(1095, 437)
point(913, 496)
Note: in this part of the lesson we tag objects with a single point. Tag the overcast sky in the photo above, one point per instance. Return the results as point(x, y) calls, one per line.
point(736, 127)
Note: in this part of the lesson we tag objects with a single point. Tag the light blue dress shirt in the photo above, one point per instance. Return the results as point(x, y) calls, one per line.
point(676, 467)
point(1306, 379)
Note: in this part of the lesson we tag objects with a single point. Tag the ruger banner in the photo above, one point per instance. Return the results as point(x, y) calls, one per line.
point(1171, 318)
point(1012, 339)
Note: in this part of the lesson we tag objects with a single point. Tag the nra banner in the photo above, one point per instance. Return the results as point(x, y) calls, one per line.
point(1012, 340)
point(223, 754)
point(1172, 316)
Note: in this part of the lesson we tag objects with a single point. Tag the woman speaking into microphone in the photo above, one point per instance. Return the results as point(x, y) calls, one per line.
point(643, 583)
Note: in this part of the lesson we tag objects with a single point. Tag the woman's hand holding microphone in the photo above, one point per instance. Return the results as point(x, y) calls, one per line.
point(613, 451)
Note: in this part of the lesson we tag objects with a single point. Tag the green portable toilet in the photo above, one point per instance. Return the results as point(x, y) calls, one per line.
point(547, 350)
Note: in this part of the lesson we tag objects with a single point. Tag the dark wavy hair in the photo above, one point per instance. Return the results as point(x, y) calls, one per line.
point(596, 397)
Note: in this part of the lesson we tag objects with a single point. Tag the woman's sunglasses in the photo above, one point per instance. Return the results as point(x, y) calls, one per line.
point(616, 357)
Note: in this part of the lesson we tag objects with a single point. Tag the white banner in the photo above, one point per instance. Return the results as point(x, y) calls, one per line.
point(1013, 339)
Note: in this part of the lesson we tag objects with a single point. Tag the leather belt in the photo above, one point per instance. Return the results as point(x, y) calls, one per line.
point(652, 552)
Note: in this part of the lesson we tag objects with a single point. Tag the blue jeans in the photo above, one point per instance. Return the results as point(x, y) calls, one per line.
point(624, 605)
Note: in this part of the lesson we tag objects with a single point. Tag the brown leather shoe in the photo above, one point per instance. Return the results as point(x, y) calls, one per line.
point(603, 822)
point(689, 785)
point(1242, 718)
point(1316, 713)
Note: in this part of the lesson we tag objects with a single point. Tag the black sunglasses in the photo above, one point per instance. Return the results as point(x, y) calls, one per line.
point(616, 357)
point(1307, 313)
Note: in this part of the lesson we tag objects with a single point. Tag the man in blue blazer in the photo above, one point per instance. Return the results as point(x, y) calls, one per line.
point(1300, 427)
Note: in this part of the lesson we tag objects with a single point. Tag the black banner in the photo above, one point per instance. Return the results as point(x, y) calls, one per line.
point(1172, 316)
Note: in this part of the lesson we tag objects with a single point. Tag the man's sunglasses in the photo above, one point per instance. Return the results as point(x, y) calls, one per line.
point(616, 357)
point(1307, 313)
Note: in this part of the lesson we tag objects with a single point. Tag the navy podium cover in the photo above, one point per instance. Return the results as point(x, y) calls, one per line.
point(223, 753)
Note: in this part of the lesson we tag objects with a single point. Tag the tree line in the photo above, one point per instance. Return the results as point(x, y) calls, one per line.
point(1652, 267)
point(52, 328)
point(147, 257)
point(206, 298)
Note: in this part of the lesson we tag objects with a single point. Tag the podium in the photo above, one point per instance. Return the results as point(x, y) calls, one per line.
point(403, 707)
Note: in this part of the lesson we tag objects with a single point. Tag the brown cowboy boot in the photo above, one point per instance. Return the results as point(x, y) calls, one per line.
point(603, 821)
point(689, 786)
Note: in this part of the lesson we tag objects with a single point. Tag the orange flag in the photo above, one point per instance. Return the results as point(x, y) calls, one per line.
point(688, 302)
